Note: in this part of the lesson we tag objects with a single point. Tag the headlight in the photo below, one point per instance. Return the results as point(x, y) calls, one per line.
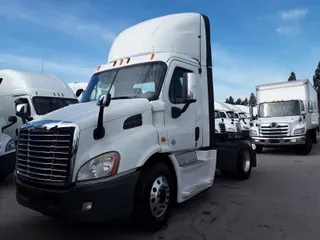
point(299, 131)
point(10, 146)
point(245, 127)
point(101, 166)
point(253, 133)
point(231, 130)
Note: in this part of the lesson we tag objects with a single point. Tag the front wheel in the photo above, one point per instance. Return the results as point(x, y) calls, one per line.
point(155, 197)
point(306, 148)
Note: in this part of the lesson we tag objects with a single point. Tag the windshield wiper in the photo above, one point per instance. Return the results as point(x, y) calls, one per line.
point(123, 97)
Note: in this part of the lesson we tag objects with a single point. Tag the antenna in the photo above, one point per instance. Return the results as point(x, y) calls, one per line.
point(41, 66)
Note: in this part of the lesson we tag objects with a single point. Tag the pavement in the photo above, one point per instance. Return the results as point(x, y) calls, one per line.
point(281, 200)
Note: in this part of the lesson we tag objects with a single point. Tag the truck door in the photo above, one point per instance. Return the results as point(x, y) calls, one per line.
point(185, 131)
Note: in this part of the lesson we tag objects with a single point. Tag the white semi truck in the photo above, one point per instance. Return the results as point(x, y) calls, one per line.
point(148, 144)
point(7, 151)
point(78, 88)
point(287, 116)
point(35, 94)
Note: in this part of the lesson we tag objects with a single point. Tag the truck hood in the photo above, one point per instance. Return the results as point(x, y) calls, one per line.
point(289, 119)
point(86, 114)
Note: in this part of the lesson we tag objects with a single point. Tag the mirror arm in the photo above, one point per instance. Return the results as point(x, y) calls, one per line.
point(99, 132)
point(176, 112)
point(7, 126)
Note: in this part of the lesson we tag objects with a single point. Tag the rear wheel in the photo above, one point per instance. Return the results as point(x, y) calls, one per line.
point(155, 197)
point(244, 164)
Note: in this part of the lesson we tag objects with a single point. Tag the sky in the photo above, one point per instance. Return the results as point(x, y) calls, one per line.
point(253, 42)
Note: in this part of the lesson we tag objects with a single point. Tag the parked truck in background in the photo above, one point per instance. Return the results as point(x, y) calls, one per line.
point(78, 88)
point(149, 143)
point(287, 116)
point(7, 152)
point(33, 93)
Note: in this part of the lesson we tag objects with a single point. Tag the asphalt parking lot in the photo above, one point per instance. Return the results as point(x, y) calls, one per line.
point(280, 201)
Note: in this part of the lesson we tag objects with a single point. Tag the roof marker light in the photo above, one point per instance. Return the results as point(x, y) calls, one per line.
point(54, 94)
point(121, 61)
point(58, 94)
point(98, 68)
point(114, 63)
point(128, 60)
point(152, 56)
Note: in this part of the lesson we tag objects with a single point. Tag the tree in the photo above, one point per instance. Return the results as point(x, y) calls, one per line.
point(316, 81)
point(238, 102)
point(231, 100)
point(292, 77)
point(227, 100)
point(252, 99)
point(245, 102)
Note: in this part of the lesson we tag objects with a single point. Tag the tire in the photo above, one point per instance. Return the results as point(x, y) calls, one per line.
point(3, 177)
point(306, 148)
point(259, 149)
point(244, 164)
point(148, 213)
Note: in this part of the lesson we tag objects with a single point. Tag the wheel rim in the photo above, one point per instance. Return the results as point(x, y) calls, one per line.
point(246, 161)
point(159, 196)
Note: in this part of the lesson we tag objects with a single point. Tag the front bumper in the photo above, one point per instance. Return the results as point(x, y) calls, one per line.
point(7, 163)
point(284, 141)
point(110, 200)
point(234, 135)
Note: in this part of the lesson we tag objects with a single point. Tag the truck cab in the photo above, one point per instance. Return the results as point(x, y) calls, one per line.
point(286, 116)
point(30, 95)
point(141, 139)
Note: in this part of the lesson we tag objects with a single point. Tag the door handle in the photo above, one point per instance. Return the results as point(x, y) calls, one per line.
point(197, 133)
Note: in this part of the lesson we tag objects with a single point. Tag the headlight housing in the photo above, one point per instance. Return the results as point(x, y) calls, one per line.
point(104, 165)
point(299, 131)
point(231, 130)
point(10, 146)
point(253, 133)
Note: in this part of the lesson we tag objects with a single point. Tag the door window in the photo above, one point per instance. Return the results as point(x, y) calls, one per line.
point(175, 90)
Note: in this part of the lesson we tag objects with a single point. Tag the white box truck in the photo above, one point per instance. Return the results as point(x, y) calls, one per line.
point(287, 115)
point(148, 144)
point(36, 94)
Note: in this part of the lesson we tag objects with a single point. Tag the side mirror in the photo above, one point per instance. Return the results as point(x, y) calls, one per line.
point(23, 110)
point(251, 110)
point(310, 107)
point(104, 100)
point(78, 92)
point(189, 91)
point(12, 119)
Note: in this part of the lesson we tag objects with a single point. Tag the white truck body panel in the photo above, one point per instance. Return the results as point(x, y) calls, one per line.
point(16, 84)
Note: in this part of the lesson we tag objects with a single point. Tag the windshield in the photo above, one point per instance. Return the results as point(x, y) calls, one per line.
point(217, 114)
point(242, 115)
point(231, 114)
point(279, 109)
point(223, 115)
point(137, 81)
point(44, 105)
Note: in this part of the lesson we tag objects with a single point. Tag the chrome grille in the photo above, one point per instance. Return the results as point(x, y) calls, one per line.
point(238, 125)
point(274, 130)
point(222, 127)
point(44, 155)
